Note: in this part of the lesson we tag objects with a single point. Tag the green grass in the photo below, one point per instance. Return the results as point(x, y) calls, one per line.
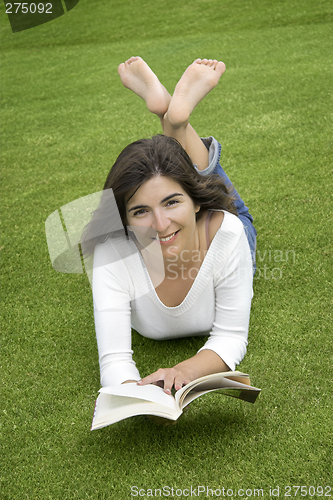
point(65, 118)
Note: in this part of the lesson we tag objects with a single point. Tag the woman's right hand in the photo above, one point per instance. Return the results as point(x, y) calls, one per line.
point(167, 378)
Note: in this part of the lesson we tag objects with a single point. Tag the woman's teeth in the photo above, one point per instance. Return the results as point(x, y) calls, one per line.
point(168, 237)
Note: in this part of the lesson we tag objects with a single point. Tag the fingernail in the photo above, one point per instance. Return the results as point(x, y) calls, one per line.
point(168, 391)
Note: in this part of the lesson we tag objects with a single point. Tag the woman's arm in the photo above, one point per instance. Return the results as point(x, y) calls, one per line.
point(112, 317)
point(226, 345)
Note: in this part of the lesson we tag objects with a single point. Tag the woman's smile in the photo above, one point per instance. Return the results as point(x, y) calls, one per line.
point(165, 240)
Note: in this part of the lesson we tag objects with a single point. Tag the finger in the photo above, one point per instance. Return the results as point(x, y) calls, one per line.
point(152, 378)
point(169, 381)
point(179, 381)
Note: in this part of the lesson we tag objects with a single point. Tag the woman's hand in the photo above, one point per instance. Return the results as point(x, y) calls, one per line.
point(167, 378)
point(203, 363)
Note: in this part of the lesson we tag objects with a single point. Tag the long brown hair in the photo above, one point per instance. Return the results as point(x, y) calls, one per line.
point(143, 160)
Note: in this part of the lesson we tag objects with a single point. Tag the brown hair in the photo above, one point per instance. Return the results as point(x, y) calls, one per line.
point(143, 160)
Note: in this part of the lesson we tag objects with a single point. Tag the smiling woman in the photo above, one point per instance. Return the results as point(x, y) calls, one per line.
point(171, 191)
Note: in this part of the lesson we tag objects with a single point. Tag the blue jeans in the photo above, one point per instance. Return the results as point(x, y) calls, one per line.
point(214, 167)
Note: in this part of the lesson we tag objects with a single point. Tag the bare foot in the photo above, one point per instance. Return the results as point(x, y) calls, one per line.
point(199, 79)
point(137, 76)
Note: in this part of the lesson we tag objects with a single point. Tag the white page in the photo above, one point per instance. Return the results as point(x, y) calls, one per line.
point(148, 392)
point(208, 382)
point(111, 409)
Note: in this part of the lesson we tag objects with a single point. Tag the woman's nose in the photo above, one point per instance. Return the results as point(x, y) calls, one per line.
point(160, 222)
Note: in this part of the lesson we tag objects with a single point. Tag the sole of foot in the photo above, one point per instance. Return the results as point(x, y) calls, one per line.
point(136, 75)
point(198, 80)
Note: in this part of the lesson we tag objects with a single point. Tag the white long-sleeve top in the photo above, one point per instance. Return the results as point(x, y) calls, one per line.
point(218, 303)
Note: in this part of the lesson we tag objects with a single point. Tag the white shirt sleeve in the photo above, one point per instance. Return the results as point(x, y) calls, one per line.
point(112, 311)
point(233, 295)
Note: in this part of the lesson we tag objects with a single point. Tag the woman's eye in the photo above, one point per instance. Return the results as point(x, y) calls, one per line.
point(140, 212)
point(172, 202)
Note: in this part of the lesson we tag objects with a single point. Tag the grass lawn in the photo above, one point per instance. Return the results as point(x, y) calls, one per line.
point(65, 118)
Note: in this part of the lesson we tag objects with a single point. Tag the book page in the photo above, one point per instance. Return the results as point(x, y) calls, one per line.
point(148, 392)
point(110, 409)
point(214, 382)
point(204, 379)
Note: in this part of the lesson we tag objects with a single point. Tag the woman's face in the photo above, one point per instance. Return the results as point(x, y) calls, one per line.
point(162, 205)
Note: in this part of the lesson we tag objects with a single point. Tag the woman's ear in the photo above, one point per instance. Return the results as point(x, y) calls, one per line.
point(197, 208)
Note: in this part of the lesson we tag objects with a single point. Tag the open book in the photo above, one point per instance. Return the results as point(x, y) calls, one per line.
point(127, 400)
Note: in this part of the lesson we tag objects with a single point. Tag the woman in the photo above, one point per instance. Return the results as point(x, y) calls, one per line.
point(199, 227)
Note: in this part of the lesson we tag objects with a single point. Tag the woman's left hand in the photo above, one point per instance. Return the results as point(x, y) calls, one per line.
point(167, 378)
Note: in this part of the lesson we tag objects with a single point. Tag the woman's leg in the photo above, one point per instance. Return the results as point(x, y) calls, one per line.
point(198, 80)
point(242, 211)
point(174, 112)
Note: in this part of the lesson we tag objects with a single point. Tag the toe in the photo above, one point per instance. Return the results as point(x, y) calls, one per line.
point(220, 67)
point(121, 68)
point(133, 59)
